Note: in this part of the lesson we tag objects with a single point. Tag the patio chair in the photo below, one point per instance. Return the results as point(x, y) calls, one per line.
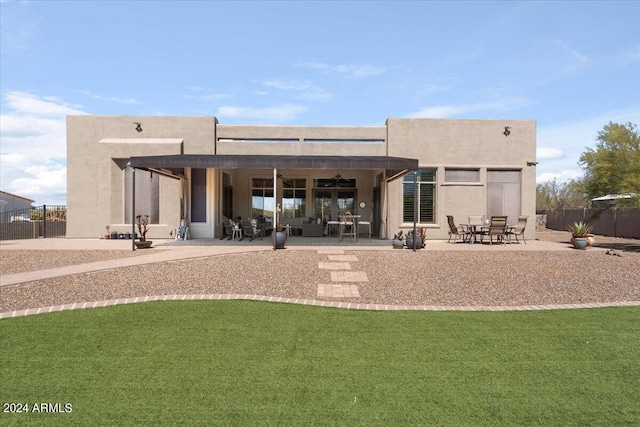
point(249, 231)
point(227, 229)
point(182, 232)
point(329, 224)
point(456, 232)
point(347, 226)
point(517, 230)
point(497, 227)
point(367, 224)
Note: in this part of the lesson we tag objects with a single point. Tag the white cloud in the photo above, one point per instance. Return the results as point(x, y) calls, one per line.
point(109, 98)
point(201, 93)
point(33, 146)
point(27, 104)
point(281, 113)
point(545, 153)
point(451, 111)
point(305, 90)
point(347, 70)
point(288, 84)
point(561, 176)
point(44, 183)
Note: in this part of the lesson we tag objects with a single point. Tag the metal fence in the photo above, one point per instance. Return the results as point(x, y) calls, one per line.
point(33, 223)
point(617, 222)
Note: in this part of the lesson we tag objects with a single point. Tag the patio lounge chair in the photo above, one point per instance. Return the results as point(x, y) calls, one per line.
point(227, 229)
point(497, 227)
point(455, 231)
point(518, 230)
point(249, 231)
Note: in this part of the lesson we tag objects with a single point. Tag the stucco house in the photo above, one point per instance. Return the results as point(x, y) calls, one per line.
point(12, 202)
point(199, 169)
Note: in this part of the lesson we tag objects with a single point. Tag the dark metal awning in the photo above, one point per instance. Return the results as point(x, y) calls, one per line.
point(228, 161)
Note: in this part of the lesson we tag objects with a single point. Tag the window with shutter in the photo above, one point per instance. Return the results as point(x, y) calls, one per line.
point(426, 199)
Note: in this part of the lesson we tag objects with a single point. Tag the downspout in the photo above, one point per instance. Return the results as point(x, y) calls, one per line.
point(133, 209)
point(275, 206)
point(415, 206)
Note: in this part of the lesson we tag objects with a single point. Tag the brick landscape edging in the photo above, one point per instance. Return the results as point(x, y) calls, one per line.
point(311, 302)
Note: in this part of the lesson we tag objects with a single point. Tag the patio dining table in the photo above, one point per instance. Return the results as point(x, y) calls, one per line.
point(475, 230)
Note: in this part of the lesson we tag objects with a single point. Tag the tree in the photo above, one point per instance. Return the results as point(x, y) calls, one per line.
point(613, 167)
point(554, 195)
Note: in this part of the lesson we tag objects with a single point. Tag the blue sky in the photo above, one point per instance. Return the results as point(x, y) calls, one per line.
point(571, 66)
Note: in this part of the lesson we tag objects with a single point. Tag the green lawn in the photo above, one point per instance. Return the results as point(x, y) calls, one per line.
point(253, 363)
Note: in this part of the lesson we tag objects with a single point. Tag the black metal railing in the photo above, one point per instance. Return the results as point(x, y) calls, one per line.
point(33, 223)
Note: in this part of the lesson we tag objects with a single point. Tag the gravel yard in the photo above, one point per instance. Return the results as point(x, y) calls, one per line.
point(452, 277)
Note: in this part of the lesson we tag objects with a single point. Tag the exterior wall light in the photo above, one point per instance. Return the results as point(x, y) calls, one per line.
point(138, 126)
point(507, 131)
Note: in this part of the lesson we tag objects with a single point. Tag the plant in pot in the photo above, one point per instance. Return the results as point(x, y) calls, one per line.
point(397, 242)
point(108, 235)
point(579, 232)
point(143, 221)
point(419, 238)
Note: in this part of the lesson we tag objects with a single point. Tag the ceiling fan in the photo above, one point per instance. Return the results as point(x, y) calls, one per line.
point(336, 181)
point(284, 180)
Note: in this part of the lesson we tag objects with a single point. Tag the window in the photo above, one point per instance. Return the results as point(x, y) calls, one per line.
point(147, 194)
point(262, 201)
point(426, 200)
point(294, 196)
point(462, 175)
point(198, 195)
point(227, 196)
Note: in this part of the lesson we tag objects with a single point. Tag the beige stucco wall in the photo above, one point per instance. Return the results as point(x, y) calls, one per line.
point(463, 143)
point(98, 148)
point(301, 140)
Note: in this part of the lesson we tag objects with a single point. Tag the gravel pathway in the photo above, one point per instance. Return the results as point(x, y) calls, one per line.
point(454, 278)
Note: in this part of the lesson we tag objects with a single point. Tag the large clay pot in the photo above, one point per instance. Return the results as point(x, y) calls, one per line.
point(590, 240)
point(280, 238)
point(397, 243)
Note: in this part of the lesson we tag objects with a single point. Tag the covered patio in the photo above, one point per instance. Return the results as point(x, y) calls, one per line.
point(174, 166)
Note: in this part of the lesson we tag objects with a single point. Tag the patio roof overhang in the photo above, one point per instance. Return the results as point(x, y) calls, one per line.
point(229, 161)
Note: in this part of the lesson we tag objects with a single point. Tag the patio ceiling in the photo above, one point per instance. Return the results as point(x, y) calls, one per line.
point(226, 161)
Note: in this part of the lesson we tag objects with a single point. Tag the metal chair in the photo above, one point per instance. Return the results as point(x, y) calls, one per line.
point(455, 231)
point(497, 227)
point(517, 230)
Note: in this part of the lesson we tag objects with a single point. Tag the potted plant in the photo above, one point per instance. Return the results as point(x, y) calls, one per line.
point(143, 221)
point(397, 242)
point(108, 235)
point(419, 237)
point(579, 232)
